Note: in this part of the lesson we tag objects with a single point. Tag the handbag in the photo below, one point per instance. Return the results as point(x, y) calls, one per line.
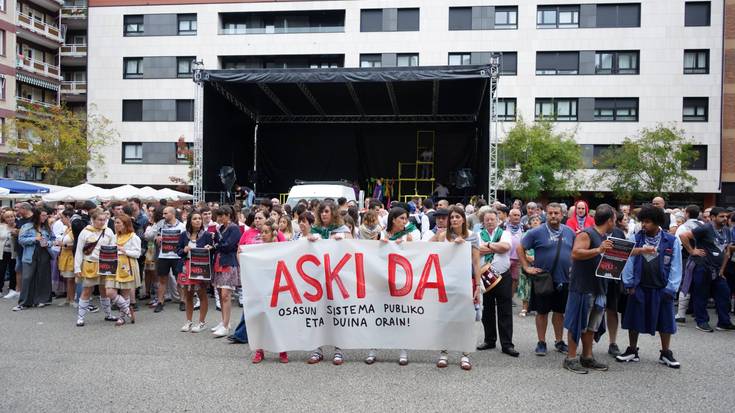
point(543, 283)
point(89, 247)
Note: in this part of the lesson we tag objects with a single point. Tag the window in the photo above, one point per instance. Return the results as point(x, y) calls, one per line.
point(460, 18)
point(371, 20)
point(593, 154)
point(697, 13)
point(459, 59)
point(408, 20)
point(2, 131)
point(616, 110)
point(695, 109)
point(562, 109)
point(184, 110)
point(618, 15)
point(132, 152)
point(506, 17)
point(371, 60)
point(551, 17)
point(700, 163)
point(182, 156)
point(616, 62)
point(696, 62)
point(506, 109)
point(183, 66)
point(133, 25)
point(557, 63)
point(187, 24)
point(132, 110)
point(132, 67)
point(2, 42)
point(2, 87)
point(508, 63)
point(407, 59)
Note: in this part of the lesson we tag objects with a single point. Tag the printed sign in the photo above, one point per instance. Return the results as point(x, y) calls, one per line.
point(108, 260)
point(613, 261)
point(200, 266)
point(169, 242)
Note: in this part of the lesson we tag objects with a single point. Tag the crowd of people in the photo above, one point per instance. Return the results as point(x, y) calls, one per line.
point(546, 259)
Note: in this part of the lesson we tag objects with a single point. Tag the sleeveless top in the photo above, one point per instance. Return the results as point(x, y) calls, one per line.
point(582, 277)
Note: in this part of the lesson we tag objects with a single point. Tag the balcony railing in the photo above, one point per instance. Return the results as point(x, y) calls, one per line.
point(41, 68)
point(32, 105)
point(74, 50)
point(41, 28)
point(74, 12)
point(74, 87)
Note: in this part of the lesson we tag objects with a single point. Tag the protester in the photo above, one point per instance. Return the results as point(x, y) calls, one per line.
point(515, 229)
point(370, 228)
point(23, 214)
point(127, 275)
point(226, 267)
point(524, 282)
point(37, 239)
point(616, 298)
point(195, 236)
point(166, 259)
point(495, 245)
point(306, 220)
point(65, 261)
point(585, 310)
point(552, 245)
point(692, 213)
point(581, 219)
point(86, 263)
point(285, 228)
point(7, 241)
point(652, 280)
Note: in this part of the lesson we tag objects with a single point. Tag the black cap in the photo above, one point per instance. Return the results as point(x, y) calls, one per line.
point(441, 212)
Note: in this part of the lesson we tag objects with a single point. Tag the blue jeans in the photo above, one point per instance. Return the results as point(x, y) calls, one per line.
point(241, 333)
point(702, 286)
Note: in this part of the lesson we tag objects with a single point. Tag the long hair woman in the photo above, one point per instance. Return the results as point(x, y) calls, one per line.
point(65, 262)
point(127, 277)
point(8, 254)
point(154, 215)
point(268, 233)
point(226, 268)
point(398, 230)
point(370, 228)
point(284, 226)
point(328, 225)
point(37, 239)
point(86, 264)
point(457, 232)
point(195, 236)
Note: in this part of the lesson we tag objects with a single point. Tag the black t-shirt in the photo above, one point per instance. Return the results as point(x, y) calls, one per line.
point(19, 222)
point(651, 277)
point(713, 242)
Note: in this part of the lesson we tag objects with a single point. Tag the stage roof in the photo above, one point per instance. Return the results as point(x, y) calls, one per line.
point(424, 94)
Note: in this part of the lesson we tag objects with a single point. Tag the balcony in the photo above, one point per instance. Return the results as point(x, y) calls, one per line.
point(74, 17)
point(52, 5)
point(73, 90)
point(39, 68)
point(73, 54)
point(39, 32)
point(26, 105)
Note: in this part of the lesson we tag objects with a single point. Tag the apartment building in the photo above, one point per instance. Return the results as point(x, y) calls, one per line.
point(603, 69)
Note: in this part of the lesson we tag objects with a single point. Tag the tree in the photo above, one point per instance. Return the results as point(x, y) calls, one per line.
point(654, 162)
point(534, 159)
point(65, 145)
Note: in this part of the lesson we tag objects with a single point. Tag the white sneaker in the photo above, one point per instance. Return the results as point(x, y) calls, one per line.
point(199, 327)
point(217, 327)
point(222, 332)
point(74, 304)
point(64, 304)
point(11, 294)
point(187, 327)
point(197, 303)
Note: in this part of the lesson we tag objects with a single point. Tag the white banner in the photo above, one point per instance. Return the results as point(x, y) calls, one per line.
point(358, 294)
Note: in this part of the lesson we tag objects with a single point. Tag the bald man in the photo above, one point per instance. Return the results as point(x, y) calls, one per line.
point(166, 234)
point(659, 202)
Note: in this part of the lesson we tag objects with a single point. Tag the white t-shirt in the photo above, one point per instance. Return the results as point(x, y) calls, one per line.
point(501, 262)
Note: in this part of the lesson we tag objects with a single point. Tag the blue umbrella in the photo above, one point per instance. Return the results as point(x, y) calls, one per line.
point(16, 187)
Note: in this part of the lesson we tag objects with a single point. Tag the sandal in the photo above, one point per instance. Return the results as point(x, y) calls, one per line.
point(443, 361)
point(315, 357)
point(338, 359)
point(464, 362)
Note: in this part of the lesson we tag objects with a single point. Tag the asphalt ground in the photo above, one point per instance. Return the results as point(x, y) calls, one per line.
point(47, 364)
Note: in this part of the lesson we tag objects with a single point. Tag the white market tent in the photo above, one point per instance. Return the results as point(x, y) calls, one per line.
point(4, 191)
point(148, 194)
point(83, 192)
point(125, 192)
point(51, 188)
point(170, 194)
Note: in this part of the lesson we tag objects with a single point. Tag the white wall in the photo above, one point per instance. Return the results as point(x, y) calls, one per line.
point(660, 85)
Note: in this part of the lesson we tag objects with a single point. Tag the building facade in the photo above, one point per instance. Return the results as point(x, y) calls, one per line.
point(602, 69)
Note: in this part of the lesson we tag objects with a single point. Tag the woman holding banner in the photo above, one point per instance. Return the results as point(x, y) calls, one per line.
point(458, 233)
point(398, 230)
point(328, 225)
point(127, 274)
point(195, 236)
point(306, 220)
point(86, 263)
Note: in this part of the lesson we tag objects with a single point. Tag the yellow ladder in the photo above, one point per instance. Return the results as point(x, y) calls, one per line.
point(421, 172)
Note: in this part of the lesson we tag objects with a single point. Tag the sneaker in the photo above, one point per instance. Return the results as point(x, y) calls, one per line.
point(592, 364)
point(12, 294)
point(371, 357)
point(92, 309)
point(64, 304)
point(159, 308)
point(705, 327)
point(574, 366)
point(80, 322)
point(41, 305)
point(283, 357)
point(561, 347)
point(257, 357)
point(613, 350)
point(221, 332)
point(681, 320)
point(74, 304)
point(629, 355)
point(541, 348)
point(19, 308)
point(729, 327)
point(187, 327)
point(667, 358)
point(199, 327)
point(215, 328)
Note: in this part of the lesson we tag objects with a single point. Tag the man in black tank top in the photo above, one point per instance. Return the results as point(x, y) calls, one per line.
point(586, 303)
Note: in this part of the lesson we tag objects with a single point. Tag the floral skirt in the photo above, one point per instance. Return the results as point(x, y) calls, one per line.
point(227, 277)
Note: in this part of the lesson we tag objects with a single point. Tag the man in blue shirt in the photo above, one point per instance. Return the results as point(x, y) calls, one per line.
point(545, 240)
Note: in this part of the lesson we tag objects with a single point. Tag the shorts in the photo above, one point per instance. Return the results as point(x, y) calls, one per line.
point(581, 314)
point(555, 302)
point(164, 266)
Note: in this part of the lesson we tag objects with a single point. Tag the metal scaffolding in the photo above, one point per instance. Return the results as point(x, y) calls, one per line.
point(494, 140)
point(198, 152)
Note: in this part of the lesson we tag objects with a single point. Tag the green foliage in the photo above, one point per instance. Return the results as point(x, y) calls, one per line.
point(654, 162)
point(534, 159)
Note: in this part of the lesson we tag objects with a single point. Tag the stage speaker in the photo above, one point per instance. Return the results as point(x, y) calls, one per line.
point(464, 178)
point(228, 177)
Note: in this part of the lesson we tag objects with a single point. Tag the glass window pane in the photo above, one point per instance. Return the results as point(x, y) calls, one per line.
point(563, 108)
point(501, 18)
point(512, 17)
point(549, 17)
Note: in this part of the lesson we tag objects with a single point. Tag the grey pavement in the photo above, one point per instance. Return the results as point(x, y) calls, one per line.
point(47, 364)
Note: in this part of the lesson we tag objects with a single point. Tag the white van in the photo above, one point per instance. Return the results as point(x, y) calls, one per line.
point(319, 190)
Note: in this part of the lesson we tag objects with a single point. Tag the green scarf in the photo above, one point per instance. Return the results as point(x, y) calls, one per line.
point(324, 232)
point(407, 230)
point(485, 236)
